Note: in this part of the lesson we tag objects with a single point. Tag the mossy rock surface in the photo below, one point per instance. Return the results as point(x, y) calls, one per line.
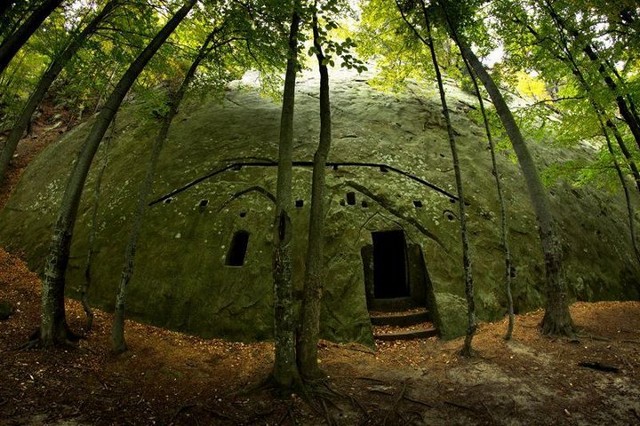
point(450, 315)
point(182, 280)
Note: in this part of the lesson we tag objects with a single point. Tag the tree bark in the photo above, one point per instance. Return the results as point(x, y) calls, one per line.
point(44, 84)
point(118, 342)
point(53, 328)
point(557, 319)
point(93, 230)
point(12, 43)
point(464, 236)
point(504, 229)
point(313, 279)
point(285, 374)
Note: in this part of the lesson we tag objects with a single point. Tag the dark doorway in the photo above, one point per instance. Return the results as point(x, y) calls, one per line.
point(237, 249)
point(389, 265)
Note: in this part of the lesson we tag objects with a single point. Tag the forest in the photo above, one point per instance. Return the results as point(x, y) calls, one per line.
point(319, 212)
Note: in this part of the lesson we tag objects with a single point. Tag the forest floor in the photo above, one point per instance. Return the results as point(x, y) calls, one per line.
point(170, 378)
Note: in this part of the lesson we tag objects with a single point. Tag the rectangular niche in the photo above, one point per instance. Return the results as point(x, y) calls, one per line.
point(237, 249)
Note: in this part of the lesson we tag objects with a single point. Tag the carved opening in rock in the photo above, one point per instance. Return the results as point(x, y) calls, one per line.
point(417, 203)
point(168, 200)
point(243, 214)
point(238, 249)
point(351, 198)
point(299, 203)
point(203, 203)
point(389, 265)
point(449, 215)
point(383, 169)
point(365, 204)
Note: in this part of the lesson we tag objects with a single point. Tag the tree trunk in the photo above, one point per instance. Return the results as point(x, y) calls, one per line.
point(53, 327)
point(93, 230)
point(504, 229)
point(13, 42)
point(285, 373)
point(601, 114)
point(45, 82)
point(631, 119)
point(557, 319)
point(313, 280)
point(466, 258)
point(118, 342)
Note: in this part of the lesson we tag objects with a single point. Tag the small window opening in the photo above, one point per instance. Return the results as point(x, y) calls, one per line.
point(365, 204)
point(449, 215)
point(335, 167)
point(203, 203)
point(299, 203)
point(168, 200)
point(342, 203)
point(243, 214)
point(237, 167)
point(383, 169)
point(238, 249)
point(452, 201)
point(417, 204)
point(351, 198)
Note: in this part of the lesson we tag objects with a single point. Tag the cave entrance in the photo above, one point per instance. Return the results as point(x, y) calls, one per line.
point(390, 278)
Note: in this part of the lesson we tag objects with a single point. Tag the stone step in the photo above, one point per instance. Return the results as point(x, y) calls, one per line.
point(400, 319)
point(392, 305)
point(411, 334)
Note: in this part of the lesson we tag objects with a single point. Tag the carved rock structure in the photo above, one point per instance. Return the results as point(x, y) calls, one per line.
point(204, 259)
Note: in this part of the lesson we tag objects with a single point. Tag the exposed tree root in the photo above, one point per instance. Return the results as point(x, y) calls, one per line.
point(66, 338)
point(551, 328)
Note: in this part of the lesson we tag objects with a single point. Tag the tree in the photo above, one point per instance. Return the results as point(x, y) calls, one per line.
point(307, 348)
point(22, 122)
point(558, 43)
point(504, 229)
point(285, 373)
point(118, 342)
point(13, 42)
point(557, 318)
point(53, 328)
point(464, 236)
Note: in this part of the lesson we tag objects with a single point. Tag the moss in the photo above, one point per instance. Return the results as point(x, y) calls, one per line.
point(181, 281)
point(450, 315)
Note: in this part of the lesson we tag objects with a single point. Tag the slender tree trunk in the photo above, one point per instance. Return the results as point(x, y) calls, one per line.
point(12, 43)
point(601, 114)
point(504, 229)
point(466, 258)
point(625, 189)
point(313, 279)
point(625, 152)
point(632, 120)
point(285, 372)
point(118, 342)
point(557, 319)
point(567, 57)
point(53, 328)
point(22, 123)
point(93, 230)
